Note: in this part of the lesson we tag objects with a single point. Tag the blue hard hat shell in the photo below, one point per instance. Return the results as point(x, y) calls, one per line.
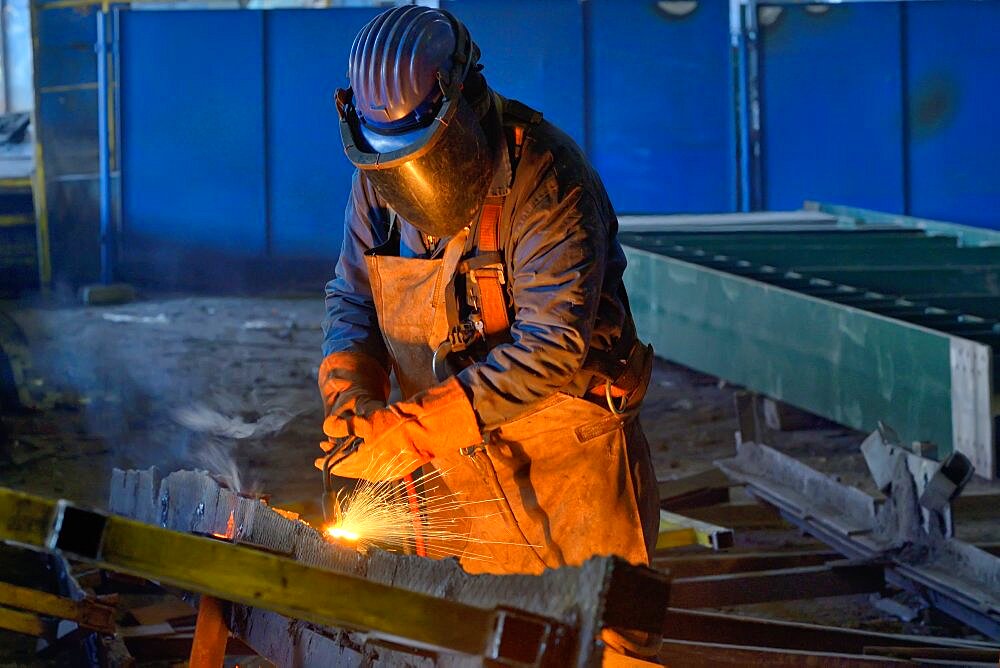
point(395, 64)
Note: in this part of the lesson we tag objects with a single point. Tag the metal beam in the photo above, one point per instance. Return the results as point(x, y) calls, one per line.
point(88, 613)
point(257, 578)
point(786, 584)
point(955, 577)
point(598, 593)
point(705, 488)
point(837, 361)
point(700, 565)
point(683, 653)
point(967, 235)
point(740, 516)
point(22, 622)
point(732, 629)
point(679, 531)
point(945, 655)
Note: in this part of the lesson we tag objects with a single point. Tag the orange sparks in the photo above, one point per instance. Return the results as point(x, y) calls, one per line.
point(417, 519)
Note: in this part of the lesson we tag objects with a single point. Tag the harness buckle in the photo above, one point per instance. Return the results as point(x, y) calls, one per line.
point(496, 268)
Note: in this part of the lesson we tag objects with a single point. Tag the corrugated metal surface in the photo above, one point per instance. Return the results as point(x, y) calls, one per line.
point(832, 107)
point(659, 119)
point(954, 99)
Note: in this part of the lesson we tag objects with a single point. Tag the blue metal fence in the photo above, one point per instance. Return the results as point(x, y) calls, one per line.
point(229, 148)
point(832, 107)
point(953, 101)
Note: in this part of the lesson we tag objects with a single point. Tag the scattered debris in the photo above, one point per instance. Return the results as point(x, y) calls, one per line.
point(158, 319)
point(893, 607)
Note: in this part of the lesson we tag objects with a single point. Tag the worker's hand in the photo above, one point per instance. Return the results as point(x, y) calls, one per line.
point(410, 433)
point(338, 423)
point(352, 384)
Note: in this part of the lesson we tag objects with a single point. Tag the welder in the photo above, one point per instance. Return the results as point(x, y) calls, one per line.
point(480, 266)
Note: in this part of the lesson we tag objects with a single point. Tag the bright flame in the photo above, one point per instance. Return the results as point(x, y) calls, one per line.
point(340, 533)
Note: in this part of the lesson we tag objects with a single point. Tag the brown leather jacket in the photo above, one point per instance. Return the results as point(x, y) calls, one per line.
point(564, 267)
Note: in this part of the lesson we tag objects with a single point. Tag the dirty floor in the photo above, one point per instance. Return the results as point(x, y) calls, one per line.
point(228, 385)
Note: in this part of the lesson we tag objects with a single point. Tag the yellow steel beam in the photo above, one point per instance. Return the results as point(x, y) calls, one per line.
point(88, 614)
point(21, 622)
point(251, 577)
point(679, 531)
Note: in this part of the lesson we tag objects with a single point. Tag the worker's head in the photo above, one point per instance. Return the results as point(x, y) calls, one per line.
point(417, 118)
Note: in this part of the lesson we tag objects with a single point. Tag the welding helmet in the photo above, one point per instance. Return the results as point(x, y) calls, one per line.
point(406, 124)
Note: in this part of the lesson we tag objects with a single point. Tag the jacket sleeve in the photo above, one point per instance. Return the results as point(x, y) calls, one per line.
point(350, 323)
point(556, 258)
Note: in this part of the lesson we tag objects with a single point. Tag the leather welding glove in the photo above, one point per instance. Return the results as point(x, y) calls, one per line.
point(408, 434)
point(351, 383)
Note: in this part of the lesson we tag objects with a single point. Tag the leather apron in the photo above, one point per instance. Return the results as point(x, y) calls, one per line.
point(564, 481)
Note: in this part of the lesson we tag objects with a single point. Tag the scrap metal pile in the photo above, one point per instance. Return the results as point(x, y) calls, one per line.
point(287, 594)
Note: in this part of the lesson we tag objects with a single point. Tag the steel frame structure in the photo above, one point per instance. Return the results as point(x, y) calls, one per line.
point(854, 315)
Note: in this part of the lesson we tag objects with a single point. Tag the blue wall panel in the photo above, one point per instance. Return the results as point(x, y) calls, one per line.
point(531, 51)
point(308, 174)
point(193, 132)
point(832, 107)
point(954, 102)
point(659, 105)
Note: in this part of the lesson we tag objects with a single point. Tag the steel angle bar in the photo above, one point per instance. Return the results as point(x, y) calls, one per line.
point(967, 235)
point(260, 579)
point(707, 626)
point(740, 516)
point(815, 260)
point(683, 653)
point(781, 584)
point(955, 577)
point(705, 488)
point(953, 655)
point(721, 221)
point(700, 565)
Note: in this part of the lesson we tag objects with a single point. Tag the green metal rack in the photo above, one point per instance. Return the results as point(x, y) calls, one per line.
point(854, 315)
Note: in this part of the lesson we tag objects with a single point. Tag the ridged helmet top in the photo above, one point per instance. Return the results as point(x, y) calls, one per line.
point(395, 64)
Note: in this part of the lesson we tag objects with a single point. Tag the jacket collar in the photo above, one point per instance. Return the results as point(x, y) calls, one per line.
point(502, 173)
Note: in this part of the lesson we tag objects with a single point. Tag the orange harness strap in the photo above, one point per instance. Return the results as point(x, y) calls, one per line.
point(489, 279)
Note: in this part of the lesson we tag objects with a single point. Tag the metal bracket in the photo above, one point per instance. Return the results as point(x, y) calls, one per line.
point(936, 483)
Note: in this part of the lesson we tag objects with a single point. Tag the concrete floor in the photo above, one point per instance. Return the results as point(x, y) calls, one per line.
point(228, 384)
point(149, 383)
